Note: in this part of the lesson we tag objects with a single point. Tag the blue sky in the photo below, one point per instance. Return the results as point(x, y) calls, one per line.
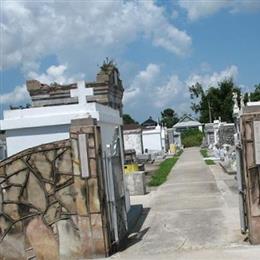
point(161, 47)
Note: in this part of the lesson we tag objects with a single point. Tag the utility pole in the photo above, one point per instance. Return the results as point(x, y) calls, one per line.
point(210, 116)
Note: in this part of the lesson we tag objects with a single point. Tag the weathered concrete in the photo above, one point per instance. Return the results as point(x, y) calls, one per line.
point(135, 183)
point(194, 215)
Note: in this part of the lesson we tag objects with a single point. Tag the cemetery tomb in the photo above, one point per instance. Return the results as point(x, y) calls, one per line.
point(133, 138)
point(58, 201)
point(54, 106)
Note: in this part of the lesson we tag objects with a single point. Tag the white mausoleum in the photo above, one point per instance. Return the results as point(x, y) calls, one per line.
point(154, 140)
point(26, 128)
point(54, 106)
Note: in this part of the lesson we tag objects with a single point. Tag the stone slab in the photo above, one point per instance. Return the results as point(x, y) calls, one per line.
point(135, 183)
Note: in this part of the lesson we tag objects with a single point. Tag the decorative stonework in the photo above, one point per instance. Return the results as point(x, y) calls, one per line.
point(107, 90)
point(50, 206)
point(32, 184)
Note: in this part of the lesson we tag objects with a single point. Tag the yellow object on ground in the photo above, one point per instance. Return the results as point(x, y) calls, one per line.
point(129, 168)
point(173, 148)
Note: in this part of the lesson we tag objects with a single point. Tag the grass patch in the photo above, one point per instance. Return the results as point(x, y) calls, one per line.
point(160, 175)
point(179, 153)
point(204, 152)
point(210, 162)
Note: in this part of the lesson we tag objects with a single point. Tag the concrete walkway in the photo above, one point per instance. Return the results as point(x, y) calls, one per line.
point(194, 215)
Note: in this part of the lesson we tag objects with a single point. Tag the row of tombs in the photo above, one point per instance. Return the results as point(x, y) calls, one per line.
point(236, 146)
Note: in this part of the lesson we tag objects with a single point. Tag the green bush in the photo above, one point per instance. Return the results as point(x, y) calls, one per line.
point(191, 137)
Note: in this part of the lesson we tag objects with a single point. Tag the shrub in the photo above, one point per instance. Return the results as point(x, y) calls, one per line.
point(191, 137)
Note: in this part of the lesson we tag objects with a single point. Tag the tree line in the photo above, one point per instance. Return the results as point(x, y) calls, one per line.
point(168, 118)
point(210, 103)
point(217, 101)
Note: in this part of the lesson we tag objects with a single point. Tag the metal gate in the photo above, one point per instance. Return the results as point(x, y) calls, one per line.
point(241, 182)
point(115, 191)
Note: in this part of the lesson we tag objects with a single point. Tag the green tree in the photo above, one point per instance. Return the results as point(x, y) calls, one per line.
point(191, 137)
point(169, 117)
point(127, 119)
point(254, 96)
point(215, 102)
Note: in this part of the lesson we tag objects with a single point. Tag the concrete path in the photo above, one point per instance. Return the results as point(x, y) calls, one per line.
point(194, 215)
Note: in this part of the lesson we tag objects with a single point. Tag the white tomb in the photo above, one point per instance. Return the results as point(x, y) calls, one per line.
point(33, 126)
point(154, 139)
point(133, 138)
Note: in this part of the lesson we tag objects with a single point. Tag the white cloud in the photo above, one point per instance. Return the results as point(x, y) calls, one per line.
point(53, 74)
point(152, 91)
point(203, 8)
point(208, 80)
point(142, 83)
point(167, 93)
point(82, 31)
point(19, 94)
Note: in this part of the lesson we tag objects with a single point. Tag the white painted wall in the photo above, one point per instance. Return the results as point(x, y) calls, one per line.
point(133, 141)
point(23, 138)
point(164, 137)
point(177, 139)
point(30, 127)
point(152, 140)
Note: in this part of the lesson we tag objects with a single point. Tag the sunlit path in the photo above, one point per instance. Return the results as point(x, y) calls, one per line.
point(195, 213)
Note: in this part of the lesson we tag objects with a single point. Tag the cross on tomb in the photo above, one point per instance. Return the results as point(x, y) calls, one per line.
point(81, 92)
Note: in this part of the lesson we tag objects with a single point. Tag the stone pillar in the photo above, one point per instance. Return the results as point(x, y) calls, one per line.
point(88, 183)
point(251, 171)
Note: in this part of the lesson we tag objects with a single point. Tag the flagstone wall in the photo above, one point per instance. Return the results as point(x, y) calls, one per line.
point(52, 200)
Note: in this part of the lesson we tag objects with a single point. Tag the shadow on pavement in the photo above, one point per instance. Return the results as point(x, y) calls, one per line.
point(136, 233)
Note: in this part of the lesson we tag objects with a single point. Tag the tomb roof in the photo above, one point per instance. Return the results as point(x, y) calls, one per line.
point(149, 123)
point(187, 121)
point(132, 127)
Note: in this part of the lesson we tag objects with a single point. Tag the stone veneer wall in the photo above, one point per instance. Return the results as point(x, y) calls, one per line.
point(51, 205)
point(226, 134)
